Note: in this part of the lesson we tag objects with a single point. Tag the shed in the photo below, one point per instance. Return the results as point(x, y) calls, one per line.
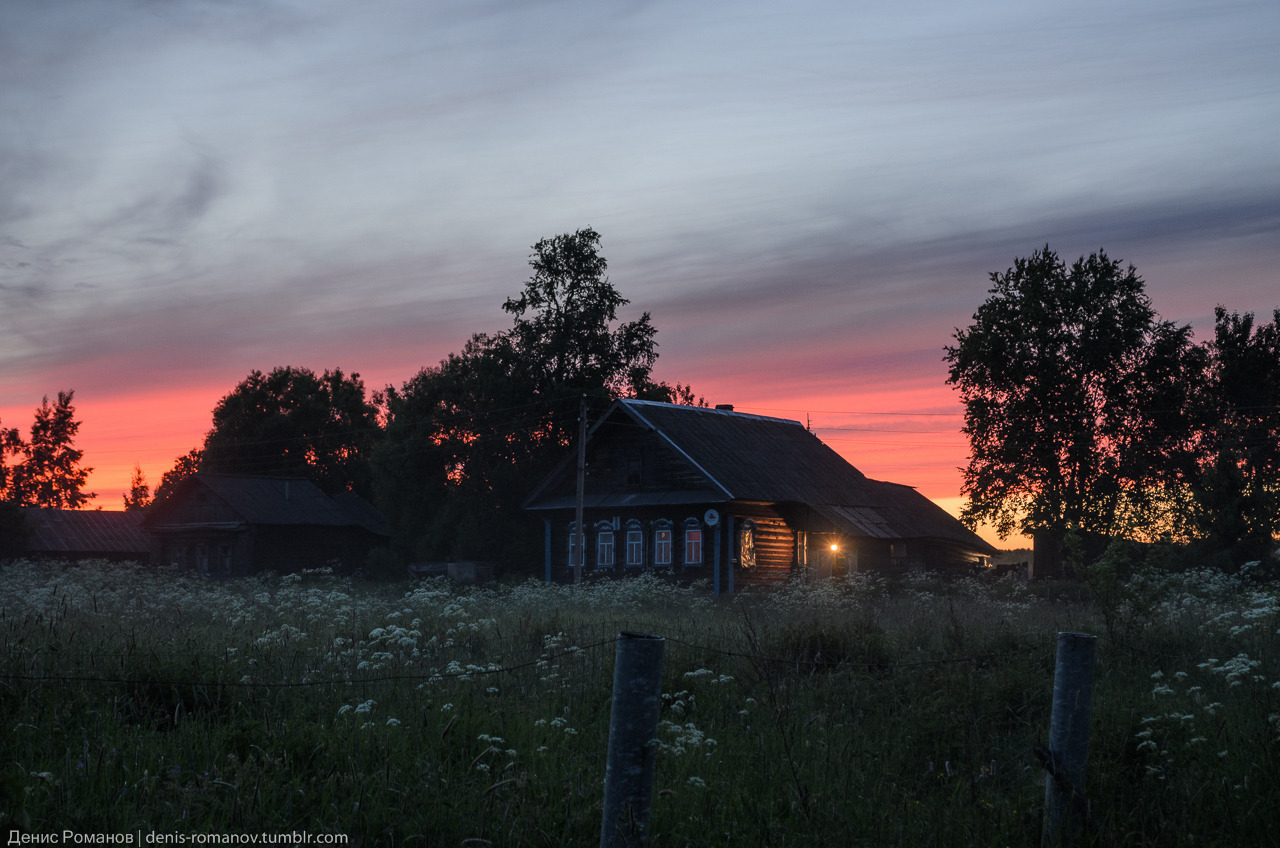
point(74, 534)
point(738, 499)
point(226, 524)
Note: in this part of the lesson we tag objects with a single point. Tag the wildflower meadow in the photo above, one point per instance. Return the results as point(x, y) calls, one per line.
point(846, 712)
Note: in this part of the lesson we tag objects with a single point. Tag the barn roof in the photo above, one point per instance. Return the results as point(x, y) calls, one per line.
point(776, 460)
point(74, 531)
point(278, 501)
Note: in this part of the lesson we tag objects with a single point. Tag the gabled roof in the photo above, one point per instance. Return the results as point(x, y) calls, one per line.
point(754, 457)
point(67, 531)
point(276, 501)
point(776, 460)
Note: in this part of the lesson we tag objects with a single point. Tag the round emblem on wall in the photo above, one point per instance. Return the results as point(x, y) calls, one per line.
point(711, 518)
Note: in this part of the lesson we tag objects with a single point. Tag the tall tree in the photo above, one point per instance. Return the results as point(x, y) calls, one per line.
point(14, 531)
point(138, 497)
point(50, 474)
point(564, 329)
point(293, 422)
point(1238, 496)
point(183, 467)
point(466, 440)
point(1057, 374)
point(11, 445)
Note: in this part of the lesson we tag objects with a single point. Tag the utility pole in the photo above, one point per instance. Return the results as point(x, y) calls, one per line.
point(582, 479)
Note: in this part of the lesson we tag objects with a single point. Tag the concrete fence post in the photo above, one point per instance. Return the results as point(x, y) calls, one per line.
point(633, 727)
point(1066, 809)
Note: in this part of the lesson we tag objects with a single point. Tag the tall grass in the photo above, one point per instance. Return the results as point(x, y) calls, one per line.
point(855, 712)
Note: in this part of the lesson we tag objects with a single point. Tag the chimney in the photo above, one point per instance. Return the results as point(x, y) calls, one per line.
point(726, 407)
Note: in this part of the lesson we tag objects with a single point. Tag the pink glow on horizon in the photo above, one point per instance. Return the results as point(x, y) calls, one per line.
point(909, 436)
point(150, 429)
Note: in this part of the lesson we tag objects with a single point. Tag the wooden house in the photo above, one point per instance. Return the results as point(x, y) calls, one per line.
point(736, 499)
point(224, 525)
point(76, 534)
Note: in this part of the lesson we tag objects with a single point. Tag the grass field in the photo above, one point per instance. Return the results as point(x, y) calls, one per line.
point(854, 712)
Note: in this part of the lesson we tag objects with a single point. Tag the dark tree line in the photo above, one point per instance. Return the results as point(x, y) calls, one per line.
point(1085, 411)
point(450, 455)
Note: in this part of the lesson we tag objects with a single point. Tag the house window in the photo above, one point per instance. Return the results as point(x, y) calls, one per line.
point(224, 555)
point(635, 545)
point(179, 559)
point(692, 542)
point(662, 543)
point(604, 545)
point(202, 558)
point(747, 545)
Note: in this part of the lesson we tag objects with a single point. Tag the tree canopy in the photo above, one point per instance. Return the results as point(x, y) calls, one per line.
point(183, 467)
point(1238, 494)
point(293, 422)
point(138, 498)
point(1060, 374)
point(466, 440)
point(50, 473)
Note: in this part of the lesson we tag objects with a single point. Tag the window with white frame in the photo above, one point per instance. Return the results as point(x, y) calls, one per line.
point(635, 545)
point(692, 542)
point(662, 539)
point(605, 556)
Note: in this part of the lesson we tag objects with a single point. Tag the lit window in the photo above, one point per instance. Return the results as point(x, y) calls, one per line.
point(635, 545)
point(692, 543)
point(662, 543)
point(747, 545)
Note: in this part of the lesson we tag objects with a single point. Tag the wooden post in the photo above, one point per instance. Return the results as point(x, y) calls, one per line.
point(715, 562)
point(582, 478)
point(633, 727)
point(546, 545)
point(731, 543)
point(1065, 806)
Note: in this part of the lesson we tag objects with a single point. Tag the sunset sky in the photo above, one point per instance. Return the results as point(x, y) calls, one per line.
point(808, 197)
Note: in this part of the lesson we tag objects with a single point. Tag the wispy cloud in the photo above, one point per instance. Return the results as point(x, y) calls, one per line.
point(809, 197)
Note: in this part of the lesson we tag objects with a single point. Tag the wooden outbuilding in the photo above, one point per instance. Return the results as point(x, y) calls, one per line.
point(739, 500)
point(76, 534)
point(225, 525)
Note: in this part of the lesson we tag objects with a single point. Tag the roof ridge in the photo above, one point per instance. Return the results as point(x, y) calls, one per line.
point(710, 410)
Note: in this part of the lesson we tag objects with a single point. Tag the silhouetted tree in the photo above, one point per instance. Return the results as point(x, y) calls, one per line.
point(183, 467)
point(1060, 374)
point(468, 439)
point(14, 531)
point(11, 445)
point(292, 422)
point(138, 497)
point(1238, 496)
point(50, 474)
